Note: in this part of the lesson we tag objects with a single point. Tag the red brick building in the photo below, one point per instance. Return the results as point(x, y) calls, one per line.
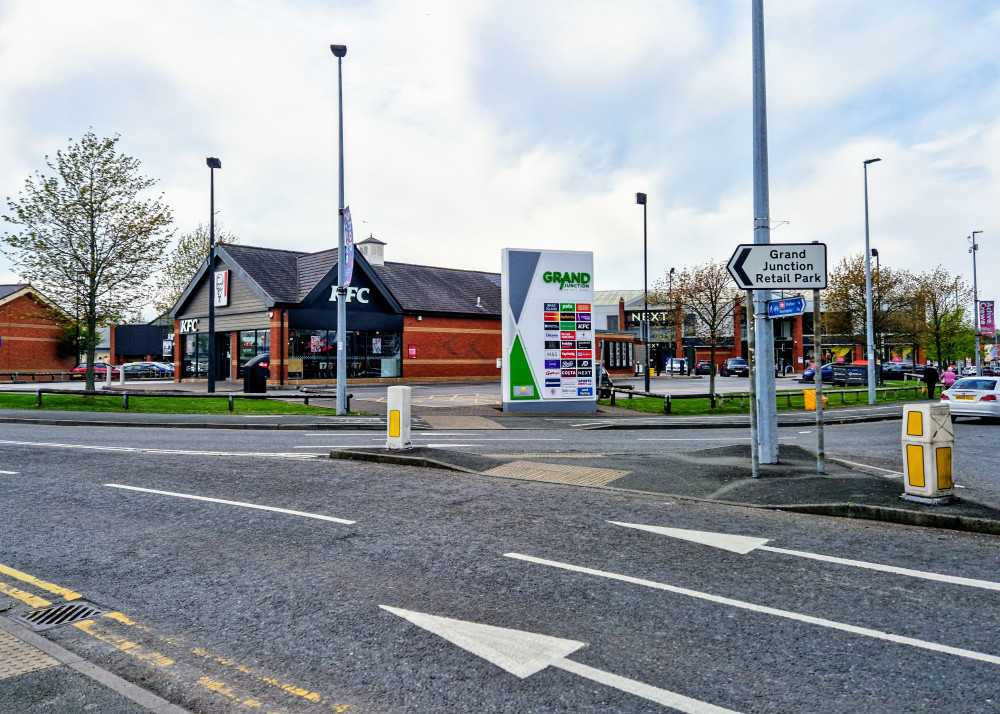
point(404, 320)
point(30, 332)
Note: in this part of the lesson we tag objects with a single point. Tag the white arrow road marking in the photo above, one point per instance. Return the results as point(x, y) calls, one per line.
point(752, 607)
point(745, 544)
point(733, 543)
point(526, 653)
point(242, 504)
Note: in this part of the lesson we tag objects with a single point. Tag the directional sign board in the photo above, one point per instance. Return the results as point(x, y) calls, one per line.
point(786, 307)
point(779, 266)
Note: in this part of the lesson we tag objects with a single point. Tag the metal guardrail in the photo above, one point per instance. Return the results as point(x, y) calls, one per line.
point(787, 395)
point(22, 377)
point(231, 398)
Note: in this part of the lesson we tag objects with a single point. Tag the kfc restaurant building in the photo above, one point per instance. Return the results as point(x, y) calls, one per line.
point(404, 320)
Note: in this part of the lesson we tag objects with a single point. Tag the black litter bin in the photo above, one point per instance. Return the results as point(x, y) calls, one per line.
point(255, 374)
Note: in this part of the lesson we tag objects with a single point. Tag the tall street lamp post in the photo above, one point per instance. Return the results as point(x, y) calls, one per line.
point(880, 348)
point(640, 198)
point(670, 306)
point(974, 248)
point(340, 51)
point(213, 164)
point(869, 326)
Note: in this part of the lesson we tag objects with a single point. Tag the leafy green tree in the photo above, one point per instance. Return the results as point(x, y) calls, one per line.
point(943, 297)
point(90, 234)
point(183, 262)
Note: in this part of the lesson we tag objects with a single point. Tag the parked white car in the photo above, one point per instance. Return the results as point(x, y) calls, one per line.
point(969, 371)
point(974, 396)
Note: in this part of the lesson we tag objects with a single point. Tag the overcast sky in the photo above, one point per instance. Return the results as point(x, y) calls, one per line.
point(473, 125)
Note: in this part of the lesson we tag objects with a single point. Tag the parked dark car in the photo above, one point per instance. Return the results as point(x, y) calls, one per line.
point(735, 367)
point(262, 360)
point(895, 370)
point(826, 370)
point(703, 367)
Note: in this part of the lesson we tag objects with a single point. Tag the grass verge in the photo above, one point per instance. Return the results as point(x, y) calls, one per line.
point(739, 404)
point(157, 405)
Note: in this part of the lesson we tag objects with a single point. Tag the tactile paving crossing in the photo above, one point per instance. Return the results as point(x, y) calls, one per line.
point(557, 473)
point(17, 657)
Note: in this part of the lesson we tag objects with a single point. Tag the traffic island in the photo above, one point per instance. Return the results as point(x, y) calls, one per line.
point(718, 475)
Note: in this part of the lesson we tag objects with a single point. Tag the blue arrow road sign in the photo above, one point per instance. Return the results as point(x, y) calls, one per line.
point(786, 307)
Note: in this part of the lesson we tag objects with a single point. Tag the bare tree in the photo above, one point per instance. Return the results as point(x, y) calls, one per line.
point(90, 236)
point(893, 292)
point(190, 253)
point(708, 292)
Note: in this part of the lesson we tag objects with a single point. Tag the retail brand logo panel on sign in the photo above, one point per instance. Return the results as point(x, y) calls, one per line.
point(221, 288)
point(548, 335)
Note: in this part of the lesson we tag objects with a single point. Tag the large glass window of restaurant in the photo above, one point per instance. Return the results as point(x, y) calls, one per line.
point(194, 361)
point(312, 354)
point(252, 343)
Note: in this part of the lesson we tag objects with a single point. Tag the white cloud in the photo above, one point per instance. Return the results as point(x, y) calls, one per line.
point(473, 126)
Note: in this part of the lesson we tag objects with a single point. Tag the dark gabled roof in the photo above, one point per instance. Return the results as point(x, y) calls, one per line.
point(288, 276)
point(6, 290)
point(423, 288)
point(274, 270)
point(372, 240)
point(313, 267)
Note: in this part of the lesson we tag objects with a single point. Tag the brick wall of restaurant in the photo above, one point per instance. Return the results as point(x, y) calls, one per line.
point(451, 347)
point(30, 335)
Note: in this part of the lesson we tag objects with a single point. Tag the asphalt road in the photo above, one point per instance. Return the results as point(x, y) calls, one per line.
point(229, 608)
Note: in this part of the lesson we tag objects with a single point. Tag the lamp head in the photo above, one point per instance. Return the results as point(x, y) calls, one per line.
point(640, 198)
point(871, 161)
point(213, 163)
point(339, 50)
point(874, 252)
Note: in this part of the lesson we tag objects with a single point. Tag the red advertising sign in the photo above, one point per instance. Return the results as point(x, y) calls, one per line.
point(987, 318)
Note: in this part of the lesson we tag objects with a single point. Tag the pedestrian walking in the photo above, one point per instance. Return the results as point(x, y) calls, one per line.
point(948, 378)
point(930, 379)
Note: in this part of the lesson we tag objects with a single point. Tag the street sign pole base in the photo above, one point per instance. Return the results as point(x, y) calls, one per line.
point(936, 501)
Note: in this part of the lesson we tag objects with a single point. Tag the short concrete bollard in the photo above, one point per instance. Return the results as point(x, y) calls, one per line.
point(107, 375)
point(398, 423)
point(928, 453)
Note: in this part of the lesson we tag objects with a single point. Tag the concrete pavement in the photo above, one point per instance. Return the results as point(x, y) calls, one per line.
point(227, 607)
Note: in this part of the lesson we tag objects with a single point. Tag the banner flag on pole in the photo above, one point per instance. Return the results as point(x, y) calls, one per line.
point(348, 247)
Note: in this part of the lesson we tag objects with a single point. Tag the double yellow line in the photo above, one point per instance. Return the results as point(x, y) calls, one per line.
point(152, 657)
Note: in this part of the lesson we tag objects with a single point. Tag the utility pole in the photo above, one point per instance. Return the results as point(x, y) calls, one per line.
point(869, 319)
point(340, 51)
point(213, 163)
point(640, 198)
point(767, 418)
point(975, 303)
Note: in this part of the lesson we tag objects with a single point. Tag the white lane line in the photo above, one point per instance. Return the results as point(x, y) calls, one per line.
point(241, 504)
point(141, 450)
point(336, 446)
point(887, 473)
point(752, 607)
point(710, 438)
point(9, 473)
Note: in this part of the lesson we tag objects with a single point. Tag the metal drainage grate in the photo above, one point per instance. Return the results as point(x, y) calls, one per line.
point(55, 615)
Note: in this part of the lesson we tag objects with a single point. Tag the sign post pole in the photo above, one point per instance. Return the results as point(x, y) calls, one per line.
point(818, 381)
point(754, 453)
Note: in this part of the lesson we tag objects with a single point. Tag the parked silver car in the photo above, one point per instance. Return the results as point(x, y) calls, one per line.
point(974, 396)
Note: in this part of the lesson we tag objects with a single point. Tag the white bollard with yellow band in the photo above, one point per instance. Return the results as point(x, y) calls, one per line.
point(398, 421)
point(928, 453)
